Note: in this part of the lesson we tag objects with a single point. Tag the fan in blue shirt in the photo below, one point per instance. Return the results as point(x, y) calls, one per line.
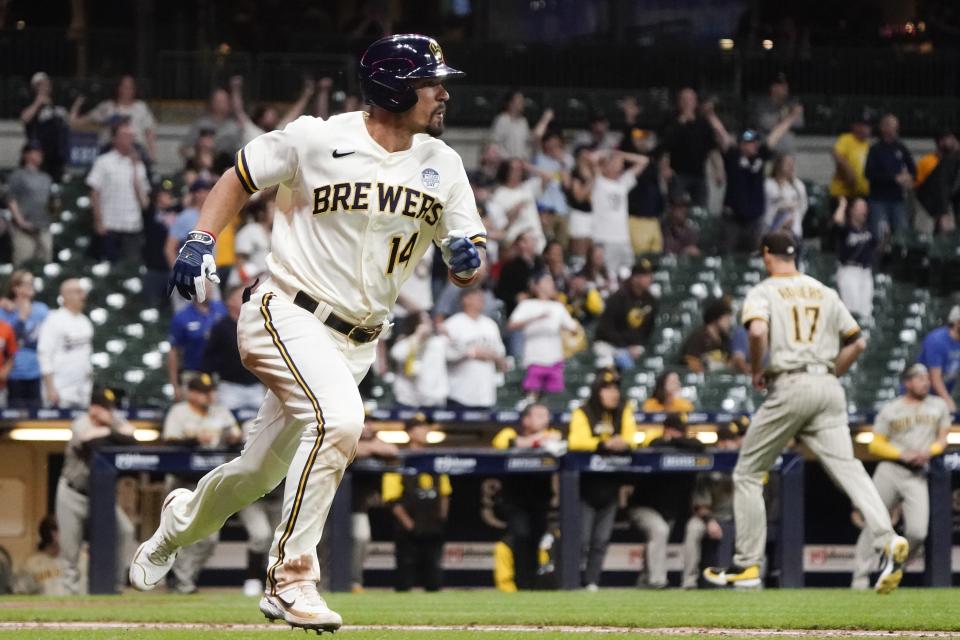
point(189, 330)
point(941, 355)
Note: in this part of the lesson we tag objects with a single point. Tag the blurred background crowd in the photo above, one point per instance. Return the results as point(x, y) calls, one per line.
point(623, 202)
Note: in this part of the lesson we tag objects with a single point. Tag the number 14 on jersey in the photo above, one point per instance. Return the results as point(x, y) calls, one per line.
point(399, 257)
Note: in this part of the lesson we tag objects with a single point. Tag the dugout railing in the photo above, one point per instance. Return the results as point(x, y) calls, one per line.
point(109, 462)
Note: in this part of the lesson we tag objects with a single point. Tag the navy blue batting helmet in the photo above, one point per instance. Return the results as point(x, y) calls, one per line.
point(389, 64)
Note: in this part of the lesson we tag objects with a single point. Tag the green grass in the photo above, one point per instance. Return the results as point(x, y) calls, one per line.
point(157, 634)
point(920, 609)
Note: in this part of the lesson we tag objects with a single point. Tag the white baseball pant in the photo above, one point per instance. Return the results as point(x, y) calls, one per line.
point(896, 485)
point(855, 286)
point(814, 408)
point(307, 431)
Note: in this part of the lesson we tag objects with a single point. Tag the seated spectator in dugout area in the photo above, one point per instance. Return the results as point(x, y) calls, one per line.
point(420, 504)
point(627, 320)
point(709, 531)
point(658, 502)
point(707, 349)
point(604, 424)
point(42, 573)
point(667, 396)
point(543, 320)
point(525, 499)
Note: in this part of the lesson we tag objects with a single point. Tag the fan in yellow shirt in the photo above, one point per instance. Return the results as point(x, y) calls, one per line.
point(850, 158)
point(666, 396)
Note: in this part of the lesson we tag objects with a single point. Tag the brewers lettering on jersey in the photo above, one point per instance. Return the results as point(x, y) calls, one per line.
point(810, 339)
point(361, 197)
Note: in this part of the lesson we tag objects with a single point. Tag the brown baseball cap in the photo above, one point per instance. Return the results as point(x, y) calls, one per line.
point(202, 383)
point(780, 243)
point(104, 397)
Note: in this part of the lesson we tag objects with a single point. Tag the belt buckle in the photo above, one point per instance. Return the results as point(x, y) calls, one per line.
point(364, 334)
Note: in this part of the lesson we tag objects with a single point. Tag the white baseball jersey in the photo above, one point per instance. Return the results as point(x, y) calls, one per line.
point(807, 320)
point(353, 219)
point(913, 425)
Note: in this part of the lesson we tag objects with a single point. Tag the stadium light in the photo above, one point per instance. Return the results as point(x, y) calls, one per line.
point(29, 434)
point(393, 437)
point(767, 44)
point(726, 44)
point(707, 437)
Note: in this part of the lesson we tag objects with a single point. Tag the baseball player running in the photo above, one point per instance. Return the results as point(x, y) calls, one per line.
point(907, 432)
point(812, 339)
point(361, 197)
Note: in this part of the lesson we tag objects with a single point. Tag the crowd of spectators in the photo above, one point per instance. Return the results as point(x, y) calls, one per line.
point(576, 225)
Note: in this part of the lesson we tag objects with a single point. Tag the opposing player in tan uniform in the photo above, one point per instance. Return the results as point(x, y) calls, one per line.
point(811, 338)
point(361, 197)
point(907, 432)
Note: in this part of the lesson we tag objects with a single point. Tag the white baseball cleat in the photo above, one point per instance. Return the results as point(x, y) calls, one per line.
point(301, 606)
point(155, 557)
point(891, 564)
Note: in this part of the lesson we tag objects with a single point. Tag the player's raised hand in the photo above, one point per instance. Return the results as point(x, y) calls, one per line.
point(194, 264)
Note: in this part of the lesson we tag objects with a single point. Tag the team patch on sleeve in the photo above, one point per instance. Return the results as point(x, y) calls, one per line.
point(243, 172)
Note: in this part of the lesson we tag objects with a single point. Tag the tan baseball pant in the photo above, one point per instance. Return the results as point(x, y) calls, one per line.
point(307, 431)
point(896, 484)
point(812, 407)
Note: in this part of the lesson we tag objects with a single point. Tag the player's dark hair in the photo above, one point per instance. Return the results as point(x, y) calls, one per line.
point(48, 525)
point(13, 280)
point(503, 171)
point(595, 411)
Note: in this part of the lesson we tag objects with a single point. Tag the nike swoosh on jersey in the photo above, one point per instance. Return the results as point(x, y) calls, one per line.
point(337, 154)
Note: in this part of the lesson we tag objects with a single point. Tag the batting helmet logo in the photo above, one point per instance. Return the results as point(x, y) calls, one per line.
point(389, 65)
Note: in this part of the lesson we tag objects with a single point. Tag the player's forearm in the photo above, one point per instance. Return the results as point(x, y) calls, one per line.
point(225, 201)
point(848, 355)
point(757, 346)
point(173, 367)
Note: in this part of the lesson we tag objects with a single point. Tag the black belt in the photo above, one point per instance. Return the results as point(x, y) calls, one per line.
point(355, 332)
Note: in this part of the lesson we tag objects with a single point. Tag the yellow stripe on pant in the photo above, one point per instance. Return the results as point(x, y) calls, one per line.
point(311, 459)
